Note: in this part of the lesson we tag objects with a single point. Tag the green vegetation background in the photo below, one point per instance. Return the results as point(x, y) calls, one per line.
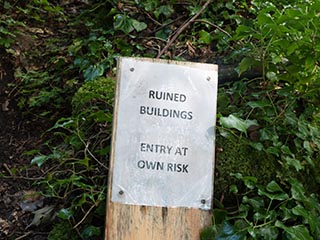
point(267, 166)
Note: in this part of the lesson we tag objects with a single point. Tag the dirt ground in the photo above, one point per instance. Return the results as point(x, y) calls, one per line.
point(18, 134)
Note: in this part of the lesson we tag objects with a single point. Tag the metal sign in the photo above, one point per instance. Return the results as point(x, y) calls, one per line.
point(163, 148)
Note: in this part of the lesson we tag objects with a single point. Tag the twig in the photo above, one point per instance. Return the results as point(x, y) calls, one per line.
point(23, 178)
point(23, 236)
point(166, 24)
point(182, 28)
point(85, 216)
point(213, 25)
point(7, 169)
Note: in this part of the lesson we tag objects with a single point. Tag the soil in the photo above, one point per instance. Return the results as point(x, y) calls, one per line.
point(18, 134)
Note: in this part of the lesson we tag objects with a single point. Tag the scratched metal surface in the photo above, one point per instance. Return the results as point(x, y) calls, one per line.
point(163, 158)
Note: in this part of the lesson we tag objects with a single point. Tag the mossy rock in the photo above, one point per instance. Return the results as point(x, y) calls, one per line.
point(97, 94)
point(236, 155)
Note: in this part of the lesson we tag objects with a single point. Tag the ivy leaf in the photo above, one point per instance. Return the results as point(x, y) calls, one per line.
point(294, 163)
point(259, 104)
point(228, 232)
point(245, 64)
point(311, 218)
point(166, 10)
point(90, 232)
point(267, 233)
point(39, 160)
point(123, 23)
point(255, 202)
point(93, 72)
point(64, 214)
point(138, 26)
point(297, 190)
point(205, 37)
point(273, 196)
point(295, 232)
point(219, 215)
point(274, 187)
point(234, 122)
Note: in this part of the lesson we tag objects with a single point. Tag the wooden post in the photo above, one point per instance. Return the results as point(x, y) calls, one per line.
point(131, 222)
point(140, 222)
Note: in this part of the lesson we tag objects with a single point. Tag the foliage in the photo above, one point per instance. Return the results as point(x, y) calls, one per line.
point(62, 231)
point(283, 42)
point(80, 156)
point(268, 213)
point(278, 117)
point(275, 118)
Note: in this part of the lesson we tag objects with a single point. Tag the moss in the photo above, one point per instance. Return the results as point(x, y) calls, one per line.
point(235, 155)
point(63, 231)
point(98, 94)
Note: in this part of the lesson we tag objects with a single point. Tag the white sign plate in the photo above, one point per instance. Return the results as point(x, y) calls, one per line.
point(163, 151)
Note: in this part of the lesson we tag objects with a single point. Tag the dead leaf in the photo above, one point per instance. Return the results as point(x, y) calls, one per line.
point(41, 216)
point(30, 201)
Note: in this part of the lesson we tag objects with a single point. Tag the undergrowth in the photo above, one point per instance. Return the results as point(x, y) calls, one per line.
point(276, 117)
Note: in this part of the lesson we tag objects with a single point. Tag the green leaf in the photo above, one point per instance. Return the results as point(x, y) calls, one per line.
point(219, 215)
point(93, 71)
point(138, 26)
point(166, 10)
point(205, 37)
point(311, 218)
point(163, 33)
point(234, 122)
point(272, 76)
point(274, 187)
point(64, 214)
point(90, 232)
point(256, 202)
point(297, 190)
point(295, 232)
point(267, 233)
point(273, 196)
point(208, 233)
point(294, 163)
point(250, 181)
point(245, 64)
point(123, 23)
point(259, 104)
point(39, 160)
point(229, 232)
point(233, 188)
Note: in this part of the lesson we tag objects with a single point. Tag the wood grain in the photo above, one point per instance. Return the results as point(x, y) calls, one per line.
point(131, 222)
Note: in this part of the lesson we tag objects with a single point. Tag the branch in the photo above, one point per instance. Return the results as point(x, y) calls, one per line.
point(214, 25)
point(182, 28)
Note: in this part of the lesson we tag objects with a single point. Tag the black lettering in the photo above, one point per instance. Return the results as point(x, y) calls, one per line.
point(150, 165)
point(183, 98)
point(142, 109)
point(151, 94)
point(169, 167)
point(141, 164)
point(158, 95)
point(142, 147)
point(183, 114)
point(185, 166)
point(177, 167)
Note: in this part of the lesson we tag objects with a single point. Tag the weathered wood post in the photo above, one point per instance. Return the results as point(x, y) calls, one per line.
point(162, 159)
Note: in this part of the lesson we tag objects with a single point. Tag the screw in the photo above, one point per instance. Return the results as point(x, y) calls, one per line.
point(208, 78)
point(203, 201)
point(121, 192)
point(131, 69)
